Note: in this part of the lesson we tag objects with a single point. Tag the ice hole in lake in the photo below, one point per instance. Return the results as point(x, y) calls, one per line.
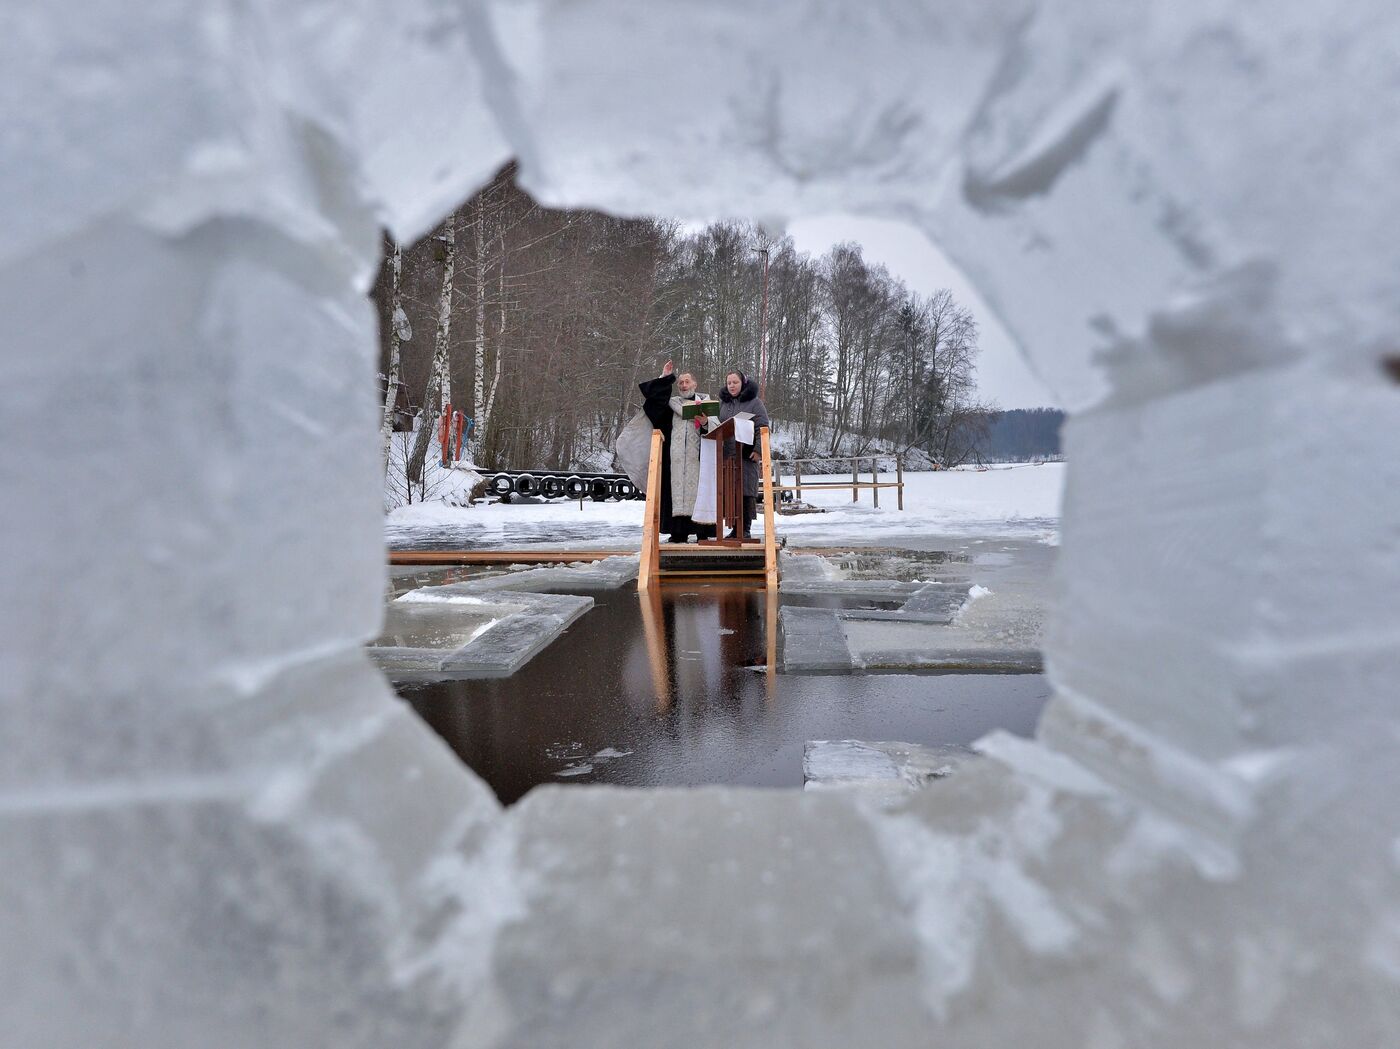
point(220, 828)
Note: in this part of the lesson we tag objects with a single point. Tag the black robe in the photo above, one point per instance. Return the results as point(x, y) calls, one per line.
point(657, 408)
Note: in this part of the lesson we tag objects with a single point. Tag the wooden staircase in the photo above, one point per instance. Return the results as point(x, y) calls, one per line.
point(696, 560)
point(718, 559)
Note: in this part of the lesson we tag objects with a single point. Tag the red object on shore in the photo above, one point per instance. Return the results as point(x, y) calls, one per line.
point(445, 433)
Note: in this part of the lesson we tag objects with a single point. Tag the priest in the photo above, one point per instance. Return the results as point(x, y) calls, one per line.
point(665, 398)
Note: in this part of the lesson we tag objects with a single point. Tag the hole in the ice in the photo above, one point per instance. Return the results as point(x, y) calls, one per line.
point(687, 699)
point(684, 689)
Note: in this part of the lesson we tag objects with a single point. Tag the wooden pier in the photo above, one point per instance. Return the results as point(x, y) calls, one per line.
point(720, 559)
point(715, 558)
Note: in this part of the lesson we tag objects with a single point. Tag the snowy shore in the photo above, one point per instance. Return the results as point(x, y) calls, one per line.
point(1013, 501)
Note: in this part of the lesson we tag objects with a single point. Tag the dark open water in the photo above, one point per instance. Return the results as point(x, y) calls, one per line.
point(673, 689)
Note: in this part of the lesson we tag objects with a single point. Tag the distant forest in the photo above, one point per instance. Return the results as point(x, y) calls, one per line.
point(1022, 434)
point(537, 325)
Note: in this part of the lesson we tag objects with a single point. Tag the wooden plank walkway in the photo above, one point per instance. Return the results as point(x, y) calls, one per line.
point(526, 556)
point(540, 556)
point(718, 557)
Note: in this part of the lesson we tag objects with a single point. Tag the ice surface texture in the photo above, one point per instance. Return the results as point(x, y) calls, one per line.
point(430, 634)
point(492, 626)
point(217, 826)
point(862, 763)
point(932, 626)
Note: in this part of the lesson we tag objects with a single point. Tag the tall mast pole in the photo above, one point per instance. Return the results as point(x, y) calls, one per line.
point(763, 331)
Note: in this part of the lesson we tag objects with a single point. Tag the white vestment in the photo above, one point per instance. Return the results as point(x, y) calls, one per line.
point(707, 493)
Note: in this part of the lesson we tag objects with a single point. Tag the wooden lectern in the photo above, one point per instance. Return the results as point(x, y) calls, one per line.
point(729, 488)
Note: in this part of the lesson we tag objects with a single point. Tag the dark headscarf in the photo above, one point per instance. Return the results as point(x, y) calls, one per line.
point(747, 390)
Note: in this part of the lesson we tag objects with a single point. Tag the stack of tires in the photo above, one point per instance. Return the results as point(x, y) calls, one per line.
point(539, 484)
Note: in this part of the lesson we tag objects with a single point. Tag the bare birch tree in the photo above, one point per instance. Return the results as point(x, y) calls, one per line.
point(442, 360)
point(479, 284)
point(570, 309)
point(427, 424)
point(399, 332)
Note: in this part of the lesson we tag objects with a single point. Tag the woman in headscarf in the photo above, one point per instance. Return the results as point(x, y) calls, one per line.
point(740, 394)
point(680, 454)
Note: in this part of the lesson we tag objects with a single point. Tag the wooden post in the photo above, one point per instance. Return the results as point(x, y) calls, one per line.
point(875, 476)
point(651, 521)
point(899, 476)
point(855, 479)
point(797, 469)
point(770, 541)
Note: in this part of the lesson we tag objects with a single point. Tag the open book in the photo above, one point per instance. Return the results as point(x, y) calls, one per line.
point(691, 410)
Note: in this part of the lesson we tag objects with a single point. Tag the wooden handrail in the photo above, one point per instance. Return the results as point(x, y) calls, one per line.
point(855, 484)
point(651, 522)
point(840, 458)
point(838, 484)
point(770, 541)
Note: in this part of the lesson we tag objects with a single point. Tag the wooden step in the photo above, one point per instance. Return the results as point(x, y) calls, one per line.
point(712, 560)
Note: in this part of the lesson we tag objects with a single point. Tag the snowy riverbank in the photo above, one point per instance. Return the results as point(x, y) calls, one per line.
point(1018, 501)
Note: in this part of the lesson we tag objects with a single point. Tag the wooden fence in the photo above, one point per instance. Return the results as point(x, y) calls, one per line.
point(856, 484)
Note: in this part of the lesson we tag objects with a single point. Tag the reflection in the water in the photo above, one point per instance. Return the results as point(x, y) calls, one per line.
point(679, 687)
point(693, 636)
point(654, 630)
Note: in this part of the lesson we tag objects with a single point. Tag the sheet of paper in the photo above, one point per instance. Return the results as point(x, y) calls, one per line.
point(743, 427)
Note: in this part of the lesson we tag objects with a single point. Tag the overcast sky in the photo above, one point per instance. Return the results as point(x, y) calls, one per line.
point(1002, 375)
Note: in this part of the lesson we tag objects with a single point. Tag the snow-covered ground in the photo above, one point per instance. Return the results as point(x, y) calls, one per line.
point(442, 484)
point(1021, 502)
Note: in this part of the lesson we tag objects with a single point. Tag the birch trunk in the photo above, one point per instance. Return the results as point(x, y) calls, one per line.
point(427, 426)
point(391, 385)
point(479, 272)
point(484, 408)
point(442, 366)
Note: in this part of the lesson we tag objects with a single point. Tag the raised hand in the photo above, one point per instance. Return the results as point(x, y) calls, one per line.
point(668, 369)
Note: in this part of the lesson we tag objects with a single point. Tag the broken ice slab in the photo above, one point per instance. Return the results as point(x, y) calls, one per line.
point(896, 767)
point(855, 589)
point(817, 640)
point(885, 645)
point(923, 601)
point(806, 568)
point(429, 625)
point(492, 625)
point(812, 640)
point(451, 631)
point(624, 883)
point(935, 599)
point(931, 603)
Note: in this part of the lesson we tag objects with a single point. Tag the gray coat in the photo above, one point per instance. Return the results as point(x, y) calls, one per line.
point(747, 401)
